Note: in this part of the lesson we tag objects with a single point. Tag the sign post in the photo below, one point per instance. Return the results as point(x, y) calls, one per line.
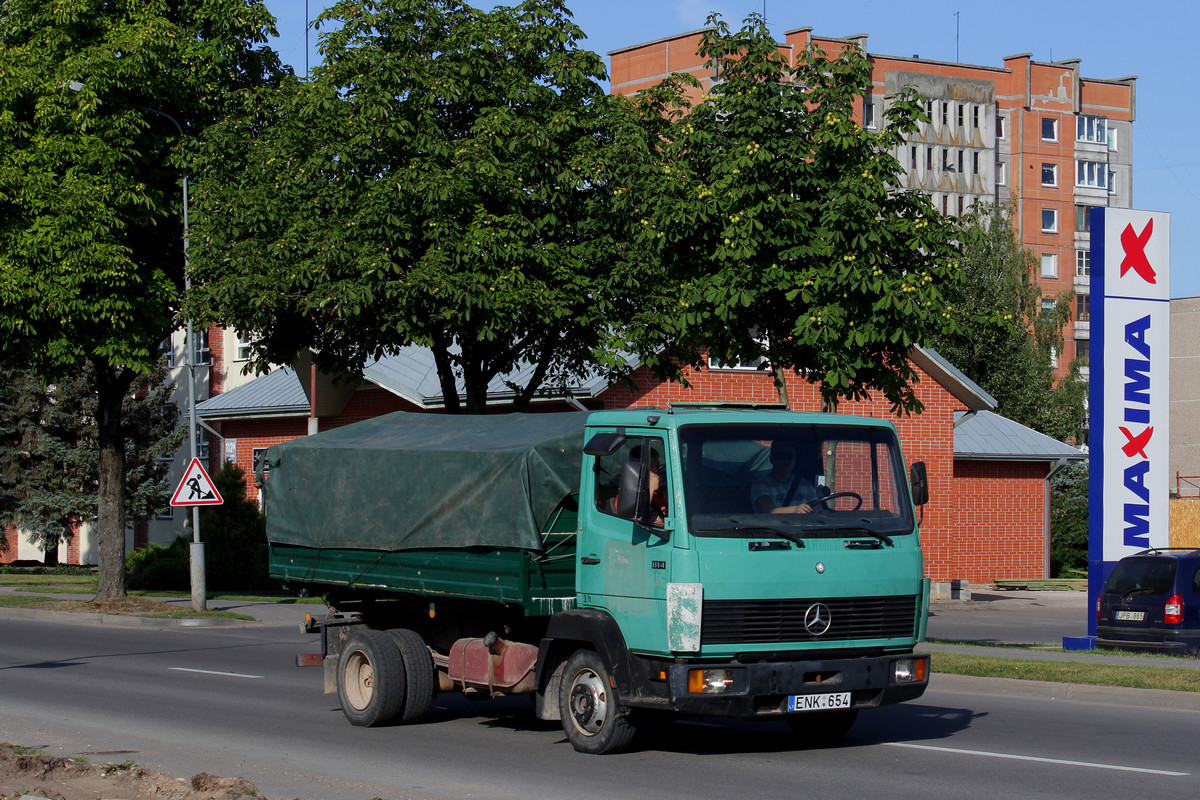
point(1128, 395)
point(197, 489)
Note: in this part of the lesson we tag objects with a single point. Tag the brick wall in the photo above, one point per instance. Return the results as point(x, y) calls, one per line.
point(1000, 520)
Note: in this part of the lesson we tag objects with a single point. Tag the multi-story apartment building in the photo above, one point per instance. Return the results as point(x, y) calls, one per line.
point(1032, 133)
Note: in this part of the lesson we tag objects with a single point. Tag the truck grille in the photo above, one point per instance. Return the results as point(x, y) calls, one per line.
point(770, 621)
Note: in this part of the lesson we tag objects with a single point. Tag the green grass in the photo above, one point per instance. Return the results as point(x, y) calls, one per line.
point(86, 584)
point(1175, 679)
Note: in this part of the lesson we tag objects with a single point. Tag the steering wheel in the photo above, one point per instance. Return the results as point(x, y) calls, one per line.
point(825, 500)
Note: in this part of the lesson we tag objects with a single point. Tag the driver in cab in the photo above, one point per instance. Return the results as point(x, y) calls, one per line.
point(783, 490)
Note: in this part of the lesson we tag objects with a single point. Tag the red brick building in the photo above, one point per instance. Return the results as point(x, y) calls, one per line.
point(1034, 133)
point(989, 508)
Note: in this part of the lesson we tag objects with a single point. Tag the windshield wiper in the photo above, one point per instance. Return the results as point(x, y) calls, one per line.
point(786, 534)
point(883, 537)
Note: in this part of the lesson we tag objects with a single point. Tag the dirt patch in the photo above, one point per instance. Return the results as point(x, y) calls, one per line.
point(56, 778)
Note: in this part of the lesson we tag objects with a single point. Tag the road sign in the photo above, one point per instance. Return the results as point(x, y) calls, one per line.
point(196, 488)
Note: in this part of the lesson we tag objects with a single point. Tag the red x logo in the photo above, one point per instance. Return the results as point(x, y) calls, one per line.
point(1134, 245)
point(1136, 445)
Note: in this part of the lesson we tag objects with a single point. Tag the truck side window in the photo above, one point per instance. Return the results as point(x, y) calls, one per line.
point(608, 471)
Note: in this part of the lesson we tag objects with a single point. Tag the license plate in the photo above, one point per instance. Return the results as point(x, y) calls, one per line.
point(1131, 616)
point(818, 702)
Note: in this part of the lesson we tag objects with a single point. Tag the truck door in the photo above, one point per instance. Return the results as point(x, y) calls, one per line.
point(625, 563)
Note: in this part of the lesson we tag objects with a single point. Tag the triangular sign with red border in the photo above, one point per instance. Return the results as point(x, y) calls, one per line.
point(196, 488)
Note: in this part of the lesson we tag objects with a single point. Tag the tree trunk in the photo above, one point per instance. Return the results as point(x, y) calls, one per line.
point(780, 376)
point(111, 386)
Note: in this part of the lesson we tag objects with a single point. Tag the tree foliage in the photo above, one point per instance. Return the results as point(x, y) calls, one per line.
point(49, 459)
point(1069, 520)
point(445, 179)
point(781, 218)
point(235, 536)
point(1010, 355)
point(91, 263)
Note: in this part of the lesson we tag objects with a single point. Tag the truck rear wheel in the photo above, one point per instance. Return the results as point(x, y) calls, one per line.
point(371, 682)
point(819, 728)
point(418, 672)
point(592, 717)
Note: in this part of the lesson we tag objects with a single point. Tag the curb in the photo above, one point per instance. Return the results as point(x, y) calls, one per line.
point(125, 620)
point(1070, 692)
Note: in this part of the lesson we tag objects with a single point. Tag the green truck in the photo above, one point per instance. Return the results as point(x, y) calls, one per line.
point(712, 560)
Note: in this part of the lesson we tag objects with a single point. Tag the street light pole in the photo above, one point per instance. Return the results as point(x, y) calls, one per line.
point(199, 589)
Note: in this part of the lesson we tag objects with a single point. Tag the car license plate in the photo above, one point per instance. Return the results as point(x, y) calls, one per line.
point(818, 702)
point(1131, 616)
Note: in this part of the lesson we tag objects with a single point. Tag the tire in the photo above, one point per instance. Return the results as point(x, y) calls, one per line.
point(591, 713)
point(820, 728)
point(371, 682)
point(419, 674)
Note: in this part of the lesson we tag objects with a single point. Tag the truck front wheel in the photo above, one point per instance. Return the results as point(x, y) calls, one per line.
point(592, 717)
point(370, 679)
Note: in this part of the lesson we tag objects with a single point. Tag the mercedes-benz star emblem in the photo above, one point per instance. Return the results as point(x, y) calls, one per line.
point(817, 619)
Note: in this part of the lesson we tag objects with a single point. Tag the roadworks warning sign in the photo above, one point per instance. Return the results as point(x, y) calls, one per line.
point(196, 488)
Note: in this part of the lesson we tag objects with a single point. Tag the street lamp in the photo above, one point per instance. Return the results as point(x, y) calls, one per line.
point(199, 589)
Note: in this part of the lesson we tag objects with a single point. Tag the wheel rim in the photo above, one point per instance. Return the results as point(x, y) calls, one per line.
point(359, 680)
point(589, 703)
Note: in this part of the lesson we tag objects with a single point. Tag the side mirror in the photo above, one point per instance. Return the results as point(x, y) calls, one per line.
point(633, 491)
point(919, 482)
point(604, 444)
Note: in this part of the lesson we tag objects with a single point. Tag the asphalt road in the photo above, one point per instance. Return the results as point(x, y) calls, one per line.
point(229, 701)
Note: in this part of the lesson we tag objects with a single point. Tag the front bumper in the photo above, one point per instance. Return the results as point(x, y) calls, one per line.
point(762, 690)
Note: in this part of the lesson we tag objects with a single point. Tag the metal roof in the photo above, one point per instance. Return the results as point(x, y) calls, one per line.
point(276, 394)
point(987, 436)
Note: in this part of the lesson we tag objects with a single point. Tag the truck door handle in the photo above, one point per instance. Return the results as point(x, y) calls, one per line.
point(589, 560)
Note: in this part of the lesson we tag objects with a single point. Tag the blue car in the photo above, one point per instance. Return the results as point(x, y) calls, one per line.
point(1151, 603)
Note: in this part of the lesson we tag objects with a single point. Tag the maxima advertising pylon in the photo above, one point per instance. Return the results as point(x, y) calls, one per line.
point(1128, 395)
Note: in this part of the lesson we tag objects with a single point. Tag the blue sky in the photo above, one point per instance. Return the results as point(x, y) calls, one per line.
point(1150, 40)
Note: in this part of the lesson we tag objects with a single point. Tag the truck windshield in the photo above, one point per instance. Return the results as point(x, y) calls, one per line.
point(799, 481)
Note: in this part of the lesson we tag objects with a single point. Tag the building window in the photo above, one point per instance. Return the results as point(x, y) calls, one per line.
point(1083, 218)
point(257, 455)
point(975, 163)
point(1049, 174)
point(928, 159)
point(202, 353)
point(1001, 173)
point(1049, 129)
point(945, 113)
point(1090, 128)
point(975, 117)
point(1001, 127)
point(1054, 358)
point(1092, 174)
point(961, 111)
point(1112, 138)
point(165, 513)
point(913, 162)
point(201, 443)
point(961, 205)
point(735, 363)
point(1083, 350)
point(1083, 307)
point(1049, 220)
point(929, 109)
point(1048, 304)
point(961, 156)
point(868, 113)
point(243, 348)
point(168, 349)
point(1083, 262)
point(1049, 265)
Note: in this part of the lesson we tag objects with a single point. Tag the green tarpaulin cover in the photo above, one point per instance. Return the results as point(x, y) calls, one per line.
point(409, 481)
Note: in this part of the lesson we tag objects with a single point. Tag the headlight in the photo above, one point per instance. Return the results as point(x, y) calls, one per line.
point(910, 670)
point(710, 681)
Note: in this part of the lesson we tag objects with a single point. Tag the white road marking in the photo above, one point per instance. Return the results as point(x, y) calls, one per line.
point(1059, 761)
point(214, 672)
